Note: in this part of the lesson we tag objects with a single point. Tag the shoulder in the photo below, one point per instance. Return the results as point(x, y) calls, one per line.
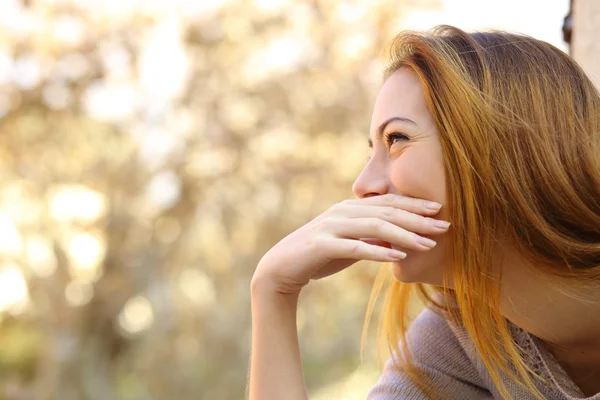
point(430, 323)
point(437, 350)
point(436, 342)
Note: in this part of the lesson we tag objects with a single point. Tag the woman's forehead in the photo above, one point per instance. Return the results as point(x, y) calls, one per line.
point(401, 95)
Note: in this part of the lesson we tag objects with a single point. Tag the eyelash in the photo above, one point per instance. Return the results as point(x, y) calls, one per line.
point(391, 137)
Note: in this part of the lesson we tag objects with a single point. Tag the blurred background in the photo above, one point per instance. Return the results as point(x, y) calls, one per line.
point(151, 151)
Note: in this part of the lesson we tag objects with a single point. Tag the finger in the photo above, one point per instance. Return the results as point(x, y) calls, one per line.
point(376, 242)
point(412, 204)
point(355, 228)
point(405, 219)
point(339, 248)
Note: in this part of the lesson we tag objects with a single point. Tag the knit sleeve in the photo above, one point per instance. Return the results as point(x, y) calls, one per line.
point(437, 353)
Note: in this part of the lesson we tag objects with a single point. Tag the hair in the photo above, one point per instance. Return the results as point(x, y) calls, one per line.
point(519, 124)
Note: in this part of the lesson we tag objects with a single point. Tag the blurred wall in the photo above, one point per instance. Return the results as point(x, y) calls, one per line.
point(585, 46)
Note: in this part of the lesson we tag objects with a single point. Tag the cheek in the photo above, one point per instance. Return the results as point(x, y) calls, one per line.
point(419, 174)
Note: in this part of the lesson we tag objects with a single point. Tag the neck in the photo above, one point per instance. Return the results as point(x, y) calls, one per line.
point(567, 319)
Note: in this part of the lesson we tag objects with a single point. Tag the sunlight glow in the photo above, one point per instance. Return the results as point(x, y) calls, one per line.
point(76, 202)
point(57, 96)
point(271, 6)
point(137, 315)
point(26, 71)
point(14, 296)
point(282, 54)
point(164, 64)
point(351, 12)
point(6, 65)
point(40, 256)
point(10, 238)
point(78, 293)
point(69, 30)
point(86, 252)
point(110, 102)
point(197, 287)
point(164, 189)
point(354, 46)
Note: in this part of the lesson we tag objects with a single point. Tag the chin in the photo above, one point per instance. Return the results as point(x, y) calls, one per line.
point(418, 268)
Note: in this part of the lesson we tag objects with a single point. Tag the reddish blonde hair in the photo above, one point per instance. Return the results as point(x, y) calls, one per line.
point(519, 124)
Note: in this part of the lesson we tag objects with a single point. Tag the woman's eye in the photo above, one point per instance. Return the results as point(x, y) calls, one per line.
point(391, 138)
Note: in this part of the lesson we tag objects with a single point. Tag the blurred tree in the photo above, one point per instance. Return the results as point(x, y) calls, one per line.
point(151, 152)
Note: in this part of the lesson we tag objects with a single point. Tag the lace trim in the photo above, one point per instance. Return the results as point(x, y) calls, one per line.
point(543, 363)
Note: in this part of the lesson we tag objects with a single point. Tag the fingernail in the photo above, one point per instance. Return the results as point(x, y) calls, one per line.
point(423, 241)
point(393, 253)
point(441, 224)
point(432, 205)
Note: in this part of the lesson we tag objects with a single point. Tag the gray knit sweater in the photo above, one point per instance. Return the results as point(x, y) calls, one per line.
point(445, 354)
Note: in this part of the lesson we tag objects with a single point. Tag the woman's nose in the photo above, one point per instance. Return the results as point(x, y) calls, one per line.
point(371, 182)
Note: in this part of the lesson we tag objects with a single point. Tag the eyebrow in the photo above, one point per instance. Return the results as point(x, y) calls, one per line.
point(386, 122)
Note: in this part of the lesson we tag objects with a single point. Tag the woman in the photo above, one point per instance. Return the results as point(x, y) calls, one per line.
point(498, 134)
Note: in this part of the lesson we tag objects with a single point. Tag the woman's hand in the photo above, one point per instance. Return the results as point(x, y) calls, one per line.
point(349, 231)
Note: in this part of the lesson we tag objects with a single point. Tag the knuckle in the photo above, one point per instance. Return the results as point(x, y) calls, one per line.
point(331, 210)
point(389, 212)
point(317, 245)
point(338, 208)
point(355, 249)
point(400, 202)
point(377, 224)
point(329, 225)
point(390, 198)
point(324, 224)
point(346, 204)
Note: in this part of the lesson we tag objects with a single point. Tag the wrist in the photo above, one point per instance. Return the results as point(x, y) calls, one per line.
point(263, 289)
point(265, 284)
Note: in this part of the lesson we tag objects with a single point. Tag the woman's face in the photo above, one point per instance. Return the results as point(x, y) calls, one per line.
point(406, 160)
